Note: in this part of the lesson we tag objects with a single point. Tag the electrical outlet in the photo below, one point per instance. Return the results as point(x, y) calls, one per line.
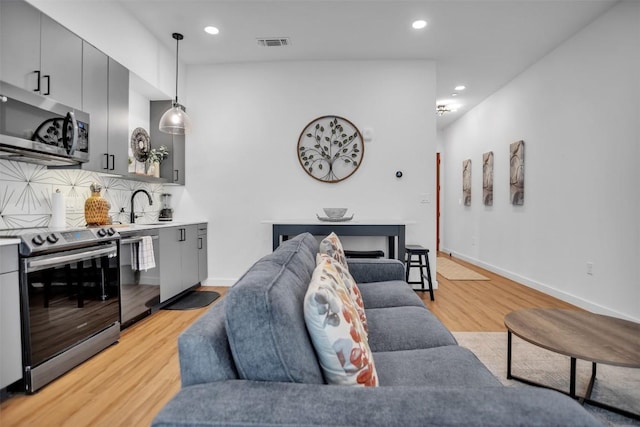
point(590, 268)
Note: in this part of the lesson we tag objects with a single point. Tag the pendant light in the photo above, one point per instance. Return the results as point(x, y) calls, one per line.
point(175, 120)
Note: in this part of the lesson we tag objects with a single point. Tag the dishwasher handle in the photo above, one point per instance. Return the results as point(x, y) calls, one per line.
point(131, 240)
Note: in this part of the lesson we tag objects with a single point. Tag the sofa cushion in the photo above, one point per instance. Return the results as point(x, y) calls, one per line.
point(265, 320)
point(394, 293)
point(448, 366)
point(351, 285)
point(338, 335)
point(251, 403)
point(405, 328)
point(366, 270)
point(306, 247)
point(332, 246)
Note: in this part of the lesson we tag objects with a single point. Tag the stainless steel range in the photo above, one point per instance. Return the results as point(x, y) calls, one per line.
point(69, 296)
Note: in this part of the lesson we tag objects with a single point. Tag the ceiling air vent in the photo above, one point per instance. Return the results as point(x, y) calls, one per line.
point(274, 42)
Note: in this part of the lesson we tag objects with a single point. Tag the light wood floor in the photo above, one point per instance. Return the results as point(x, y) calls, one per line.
point(480, 306)
point(128, 383)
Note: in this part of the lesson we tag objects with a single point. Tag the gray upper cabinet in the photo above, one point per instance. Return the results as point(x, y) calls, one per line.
point(44, 56)
point(172, 168)
point(95, 95)
point(105, 96)
point(118, 134)
point(19, 61)
point(60, 63)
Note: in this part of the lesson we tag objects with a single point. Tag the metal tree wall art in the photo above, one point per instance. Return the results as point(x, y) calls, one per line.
point(330, 148)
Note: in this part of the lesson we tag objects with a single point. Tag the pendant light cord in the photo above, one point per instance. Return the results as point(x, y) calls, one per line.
point(178, 37)
point(177, 45)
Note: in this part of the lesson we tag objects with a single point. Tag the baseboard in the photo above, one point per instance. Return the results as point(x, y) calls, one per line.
point(526, 281)
point(219, 281)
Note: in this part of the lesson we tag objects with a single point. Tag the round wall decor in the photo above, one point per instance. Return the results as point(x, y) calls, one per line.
point(140, 144)
point(330, 148)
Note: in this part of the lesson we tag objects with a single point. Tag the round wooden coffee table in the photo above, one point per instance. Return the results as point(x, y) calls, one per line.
point(580, 335)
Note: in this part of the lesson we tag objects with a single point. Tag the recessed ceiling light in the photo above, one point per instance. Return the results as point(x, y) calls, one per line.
point(211, 30)
point(454, 94)
point(461, 87)
point(419, 24)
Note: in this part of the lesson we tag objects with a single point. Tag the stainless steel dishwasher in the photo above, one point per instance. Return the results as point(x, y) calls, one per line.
point(139, 287)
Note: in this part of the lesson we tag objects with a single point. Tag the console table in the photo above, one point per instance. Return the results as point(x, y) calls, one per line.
point(393, 230)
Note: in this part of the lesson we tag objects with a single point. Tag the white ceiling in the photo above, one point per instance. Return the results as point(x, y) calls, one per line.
point(482, 44)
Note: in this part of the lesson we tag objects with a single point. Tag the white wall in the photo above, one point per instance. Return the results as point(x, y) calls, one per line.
point(578, 111)
point(242, 166)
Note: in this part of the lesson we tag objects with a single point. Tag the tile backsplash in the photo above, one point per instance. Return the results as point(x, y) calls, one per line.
point(26, 190)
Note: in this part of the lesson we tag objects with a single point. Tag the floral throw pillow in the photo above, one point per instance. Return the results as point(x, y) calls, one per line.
point(331, 246)
point(350, 284)
point(336, 331)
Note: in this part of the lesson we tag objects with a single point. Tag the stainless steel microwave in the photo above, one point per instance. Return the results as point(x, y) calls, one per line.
point(40, 130)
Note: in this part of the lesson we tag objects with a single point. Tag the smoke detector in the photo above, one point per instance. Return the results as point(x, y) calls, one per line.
point(274, 42)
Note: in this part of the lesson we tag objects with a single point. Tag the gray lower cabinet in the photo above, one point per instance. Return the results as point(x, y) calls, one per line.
point(38, 54)
point(172, 168)
point(178, 260)
point(10, 332)
point(202, 253)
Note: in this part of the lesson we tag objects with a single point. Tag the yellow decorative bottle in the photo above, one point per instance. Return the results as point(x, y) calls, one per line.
point(96, 208)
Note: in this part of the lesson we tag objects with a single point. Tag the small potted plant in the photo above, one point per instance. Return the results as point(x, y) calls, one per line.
point(156, 156)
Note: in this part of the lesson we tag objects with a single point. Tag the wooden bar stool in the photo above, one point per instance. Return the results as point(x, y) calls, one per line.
point(421, 262)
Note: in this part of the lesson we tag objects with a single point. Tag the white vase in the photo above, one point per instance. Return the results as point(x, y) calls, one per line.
point(156, 169)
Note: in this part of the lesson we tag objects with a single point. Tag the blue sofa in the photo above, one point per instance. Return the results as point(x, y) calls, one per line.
point(249, 360)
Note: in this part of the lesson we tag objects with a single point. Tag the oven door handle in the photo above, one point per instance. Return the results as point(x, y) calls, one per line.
point(64, 259)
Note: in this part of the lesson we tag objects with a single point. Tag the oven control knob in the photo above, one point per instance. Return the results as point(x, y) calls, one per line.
point(102, 232)
point(52, 238)
point(111, 231)
point(37, 240)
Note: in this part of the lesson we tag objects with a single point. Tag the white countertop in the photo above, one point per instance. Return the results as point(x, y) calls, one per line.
point(9, 241)
point(163, 224)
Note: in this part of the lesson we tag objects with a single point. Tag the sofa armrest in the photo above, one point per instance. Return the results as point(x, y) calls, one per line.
point(376, 270)
point(204, 352)
point(249, 403)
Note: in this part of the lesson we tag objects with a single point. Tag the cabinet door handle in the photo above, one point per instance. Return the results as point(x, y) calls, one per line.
point(37, 89)
point(48, 92)
point(113, 161)
point(106, 158)
point(199, 242)
point(176, 175)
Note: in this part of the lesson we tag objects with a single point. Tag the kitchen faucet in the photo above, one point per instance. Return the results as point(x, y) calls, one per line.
point(133, 215)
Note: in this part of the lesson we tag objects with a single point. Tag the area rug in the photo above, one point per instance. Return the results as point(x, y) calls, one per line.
point(454, 271)
point(614, 385)
point(192, 300)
